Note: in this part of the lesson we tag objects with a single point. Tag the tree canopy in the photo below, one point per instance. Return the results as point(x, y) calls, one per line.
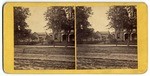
point(20, 25)
point(82, 23)
point(60, 18)
point(122, 17)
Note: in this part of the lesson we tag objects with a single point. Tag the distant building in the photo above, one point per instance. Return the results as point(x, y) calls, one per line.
point(99, 36)
point(123, 35)
point(62, 36)
point(103, 35)
point(56, 36)
point(39, 36)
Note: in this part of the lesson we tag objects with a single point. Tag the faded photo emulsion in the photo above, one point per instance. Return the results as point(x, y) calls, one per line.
point(44, 38)
point(75, 37)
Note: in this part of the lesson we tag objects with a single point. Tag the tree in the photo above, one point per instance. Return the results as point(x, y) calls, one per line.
point(60, 19)
point(82, 23)
point(123, 18)
point(20, 26)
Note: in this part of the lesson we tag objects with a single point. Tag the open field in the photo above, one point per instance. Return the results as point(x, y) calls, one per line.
point(107, 57)
point(89, 57)
point(38, 58)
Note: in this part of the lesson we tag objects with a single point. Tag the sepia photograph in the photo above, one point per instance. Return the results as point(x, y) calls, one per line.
point(44, 38)
point(106, 37)
point(75, 37)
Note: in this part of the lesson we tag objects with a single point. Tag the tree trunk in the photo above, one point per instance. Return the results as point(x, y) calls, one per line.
point(66, 42)
point(116, 37)
point(128, 41)
point(116, 42)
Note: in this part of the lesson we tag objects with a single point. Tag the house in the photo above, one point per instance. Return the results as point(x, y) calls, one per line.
point(123, 35)
point(55, 36)
point(103, 35)
point(39, 36)
point(62, 36)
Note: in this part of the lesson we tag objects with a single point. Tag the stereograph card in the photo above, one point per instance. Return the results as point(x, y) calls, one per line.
point(94, 37)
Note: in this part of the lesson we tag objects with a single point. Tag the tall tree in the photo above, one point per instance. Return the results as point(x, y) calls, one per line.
point(82, 23)
point(60, 19)
point(123, 18)
point(20, 31)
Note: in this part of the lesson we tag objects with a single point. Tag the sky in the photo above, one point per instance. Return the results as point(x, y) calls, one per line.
point(99, 19)
point(37, 21)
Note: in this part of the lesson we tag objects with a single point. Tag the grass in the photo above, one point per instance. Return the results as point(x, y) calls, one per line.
point(107, 57)
point(88, 57)
point(38, 58)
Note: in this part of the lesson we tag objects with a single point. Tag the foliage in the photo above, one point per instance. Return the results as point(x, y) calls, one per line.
point(33, 37)
point(60, 18)
point(123, 18)
point(82, 24)
point(20, 15)
point(96, 35)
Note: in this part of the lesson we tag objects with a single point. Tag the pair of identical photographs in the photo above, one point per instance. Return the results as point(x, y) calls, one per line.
point(74, 37)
